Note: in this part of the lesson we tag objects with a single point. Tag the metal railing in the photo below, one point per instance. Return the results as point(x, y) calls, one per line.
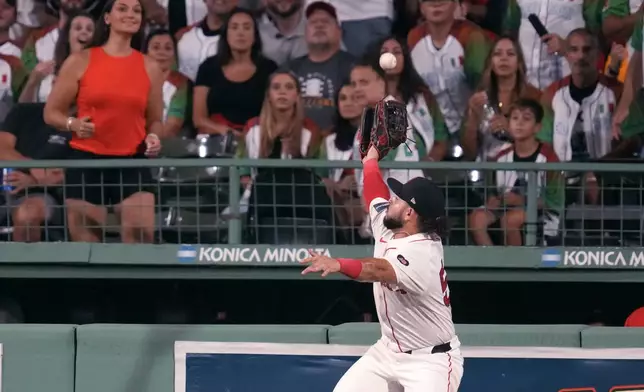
point(205, 200)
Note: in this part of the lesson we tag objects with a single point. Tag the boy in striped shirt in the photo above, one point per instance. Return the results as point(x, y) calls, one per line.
point(507, 206)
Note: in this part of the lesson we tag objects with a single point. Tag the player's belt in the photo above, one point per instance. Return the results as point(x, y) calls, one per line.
point(441, 348)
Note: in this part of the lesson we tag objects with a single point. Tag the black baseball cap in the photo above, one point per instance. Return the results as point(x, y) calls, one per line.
point(321, 6)
point(422, 194)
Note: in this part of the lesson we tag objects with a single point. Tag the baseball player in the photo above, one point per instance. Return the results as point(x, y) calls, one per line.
point(419, 350)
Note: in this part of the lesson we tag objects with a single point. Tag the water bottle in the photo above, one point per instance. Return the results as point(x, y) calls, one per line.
point(488, 113)
point(5, 185)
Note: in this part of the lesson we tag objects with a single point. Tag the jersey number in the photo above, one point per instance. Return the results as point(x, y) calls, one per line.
point(444, 286)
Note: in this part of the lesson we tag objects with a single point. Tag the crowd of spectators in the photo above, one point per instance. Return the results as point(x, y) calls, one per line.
point(286, 79)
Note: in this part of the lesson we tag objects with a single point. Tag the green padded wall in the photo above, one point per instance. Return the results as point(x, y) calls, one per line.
point(612, 337)
point(37, 358)
point(139, 358)
point(520, 335)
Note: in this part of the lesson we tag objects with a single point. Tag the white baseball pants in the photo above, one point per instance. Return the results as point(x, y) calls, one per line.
point(383, 370)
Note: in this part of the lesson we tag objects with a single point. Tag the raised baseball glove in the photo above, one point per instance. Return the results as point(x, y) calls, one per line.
point(390, 126)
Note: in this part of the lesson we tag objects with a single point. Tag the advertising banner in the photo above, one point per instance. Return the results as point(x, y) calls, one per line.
point(265, 367)
point(583, 258)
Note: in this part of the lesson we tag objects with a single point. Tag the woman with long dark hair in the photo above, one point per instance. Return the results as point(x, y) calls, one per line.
point(230, 86)
point(503, 83)
point(161, 46)
point(117, 92)
point(75, 34)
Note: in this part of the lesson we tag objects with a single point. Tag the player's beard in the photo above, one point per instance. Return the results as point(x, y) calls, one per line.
point(392, 223)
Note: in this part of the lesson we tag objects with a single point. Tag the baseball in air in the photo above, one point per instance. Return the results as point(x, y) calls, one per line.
point(387, 61)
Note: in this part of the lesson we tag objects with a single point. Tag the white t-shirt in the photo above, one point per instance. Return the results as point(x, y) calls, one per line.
point(415, 313)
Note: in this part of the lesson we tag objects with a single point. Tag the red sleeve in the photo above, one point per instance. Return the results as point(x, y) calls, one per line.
point(374, 185)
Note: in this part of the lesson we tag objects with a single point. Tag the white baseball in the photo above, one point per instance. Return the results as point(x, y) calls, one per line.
point(387, 61)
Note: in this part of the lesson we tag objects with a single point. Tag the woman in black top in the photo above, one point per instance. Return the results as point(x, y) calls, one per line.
point(230, 86)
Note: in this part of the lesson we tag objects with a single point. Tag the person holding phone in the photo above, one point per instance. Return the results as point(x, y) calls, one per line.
point(118, 94)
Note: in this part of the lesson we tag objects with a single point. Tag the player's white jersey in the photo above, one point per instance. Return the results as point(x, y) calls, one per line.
point(415, 313)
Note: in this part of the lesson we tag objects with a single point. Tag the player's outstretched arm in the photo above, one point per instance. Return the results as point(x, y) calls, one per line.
point(374, 185)
point(369, 269)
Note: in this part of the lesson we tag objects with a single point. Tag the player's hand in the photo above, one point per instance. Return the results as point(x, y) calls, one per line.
point(152, 145)
point(319, 263)
point(19, 181)
point(83, 127)
point(371, 154)
point(556, 44)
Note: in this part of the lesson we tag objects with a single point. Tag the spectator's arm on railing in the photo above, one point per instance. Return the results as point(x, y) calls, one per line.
point(48, 177)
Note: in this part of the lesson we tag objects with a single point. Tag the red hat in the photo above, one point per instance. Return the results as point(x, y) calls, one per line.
point(321, 6)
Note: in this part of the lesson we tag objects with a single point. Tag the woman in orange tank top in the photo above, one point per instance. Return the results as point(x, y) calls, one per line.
point(117, 92)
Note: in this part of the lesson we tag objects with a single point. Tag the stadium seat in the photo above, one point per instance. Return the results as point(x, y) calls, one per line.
point(178, 197)
point(286, 196)
point(603, 225)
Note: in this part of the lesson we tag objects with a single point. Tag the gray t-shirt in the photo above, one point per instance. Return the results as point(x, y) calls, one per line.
point(278, 47)
point(320, 83)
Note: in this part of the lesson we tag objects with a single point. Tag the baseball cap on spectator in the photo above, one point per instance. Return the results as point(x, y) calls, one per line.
point(422, 194)
point(321, 6)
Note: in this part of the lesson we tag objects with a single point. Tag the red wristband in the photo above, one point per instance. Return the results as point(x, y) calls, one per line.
point(350, 267)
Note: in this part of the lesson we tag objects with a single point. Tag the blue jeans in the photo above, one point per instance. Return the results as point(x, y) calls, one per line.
point(358, 35)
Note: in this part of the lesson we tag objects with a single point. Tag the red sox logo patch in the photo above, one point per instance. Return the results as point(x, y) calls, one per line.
point(403, 260)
